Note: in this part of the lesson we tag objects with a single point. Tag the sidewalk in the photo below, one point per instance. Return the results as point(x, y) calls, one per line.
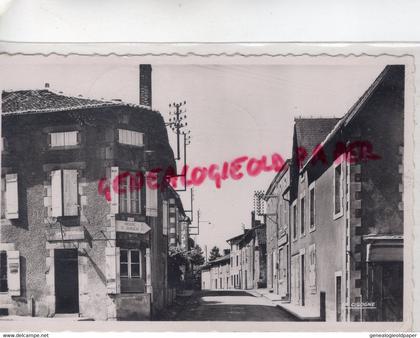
point(56, 318)
point(303, 313)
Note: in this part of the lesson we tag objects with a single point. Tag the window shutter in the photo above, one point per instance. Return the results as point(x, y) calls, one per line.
point(3, 197)
point(70, 196)
point(165, 217)
point(151, 198)
point(112, 270)
point(13, 272)
point(114, 194)
point(57, 196)
point(12, 201)
point(312, 268)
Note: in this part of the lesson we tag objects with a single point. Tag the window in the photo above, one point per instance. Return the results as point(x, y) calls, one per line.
point(64, 139)
point(130, 137)
point(12, 200)
point(151, 195)
point(338, 190)
point(302, 215)
point(64, 193)
point(312, 207)
point(165, 217)
point(3, 272)
point(3, 144)
point(130, 195)
point(10, 272)
point(312, 268)
point(294, 208)
point(237, 260)
point(130, 266)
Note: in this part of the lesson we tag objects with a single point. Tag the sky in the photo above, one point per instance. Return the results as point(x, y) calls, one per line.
point(232, 110)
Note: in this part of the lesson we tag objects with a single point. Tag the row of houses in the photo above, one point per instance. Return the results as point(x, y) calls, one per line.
point(243, 266)
point(334, 223)
point(69, 241)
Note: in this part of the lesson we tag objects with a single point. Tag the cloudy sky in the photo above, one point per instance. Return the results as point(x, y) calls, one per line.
point(232, 111)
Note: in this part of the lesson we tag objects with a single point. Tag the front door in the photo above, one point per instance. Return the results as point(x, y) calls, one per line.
point(66, 281)
point(302, 280)
point(338, 300)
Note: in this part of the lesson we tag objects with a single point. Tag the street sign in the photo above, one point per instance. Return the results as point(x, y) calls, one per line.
point(133, 227)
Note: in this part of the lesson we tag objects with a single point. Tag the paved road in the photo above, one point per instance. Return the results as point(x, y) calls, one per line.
point(226, 306)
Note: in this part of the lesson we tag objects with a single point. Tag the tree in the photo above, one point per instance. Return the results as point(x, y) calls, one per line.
point(197, 256)
point(214, 254)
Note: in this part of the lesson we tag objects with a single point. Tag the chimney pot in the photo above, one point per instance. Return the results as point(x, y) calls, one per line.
point(145, 85)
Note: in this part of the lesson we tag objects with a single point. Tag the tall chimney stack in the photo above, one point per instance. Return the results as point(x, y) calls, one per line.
point(146, 85)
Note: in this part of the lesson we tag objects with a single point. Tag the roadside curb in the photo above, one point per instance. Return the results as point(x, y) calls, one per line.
point(289, 311)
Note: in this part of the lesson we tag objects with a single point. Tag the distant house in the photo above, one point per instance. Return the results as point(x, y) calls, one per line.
point(248, 257)
point(346, 207)
point(215, 275)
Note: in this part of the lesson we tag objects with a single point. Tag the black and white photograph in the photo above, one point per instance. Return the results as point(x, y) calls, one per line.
point(203, 190)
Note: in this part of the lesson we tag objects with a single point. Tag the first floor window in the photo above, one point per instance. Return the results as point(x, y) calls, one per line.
point(130, 265)
point(3, 272)
point(130, 195)
point(294, 221)
point(312, 208)
point(130, 137)
point(64, 193)
point(337, 189)
point(302, 215)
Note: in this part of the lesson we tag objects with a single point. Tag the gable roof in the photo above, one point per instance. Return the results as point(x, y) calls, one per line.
point(355, 109)
point(220, 260)
point(277, 179)
point(310, 132)
point(38, 101)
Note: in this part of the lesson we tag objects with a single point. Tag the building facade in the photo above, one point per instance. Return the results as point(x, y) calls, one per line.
point(248, 258)
point(278, 246)
point(83, 229)
point(346, 207)
point(215, 275)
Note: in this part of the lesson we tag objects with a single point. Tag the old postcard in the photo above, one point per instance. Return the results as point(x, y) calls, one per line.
point(207, 192)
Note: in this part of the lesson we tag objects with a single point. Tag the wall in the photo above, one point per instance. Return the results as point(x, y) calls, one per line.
point(328, 238)
point(205, 279)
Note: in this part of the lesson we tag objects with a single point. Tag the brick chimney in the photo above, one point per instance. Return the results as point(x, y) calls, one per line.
point(146, 85)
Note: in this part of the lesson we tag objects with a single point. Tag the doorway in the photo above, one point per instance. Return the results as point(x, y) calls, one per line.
point(246, 280)
point(66, 281)
point(338, 301)
point(302, 279)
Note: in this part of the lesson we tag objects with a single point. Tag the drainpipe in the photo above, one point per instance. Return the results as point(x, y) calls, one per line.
point(289, 249)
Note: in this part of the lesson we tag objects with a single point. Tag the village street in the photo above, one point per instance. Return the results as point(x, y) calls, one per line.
point(225, 306)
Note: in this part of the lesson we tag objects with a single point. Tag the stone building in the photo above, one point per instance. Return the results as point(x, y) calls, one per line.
point(83, 230)
point(278, 245)
point(346, 207)
point(248, 257)
point(178, 221)
point(215, 275)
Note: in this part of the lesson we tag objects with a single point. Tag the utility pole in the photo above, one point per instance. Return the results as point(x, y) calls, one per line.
point(205, 250)
point(177, 122)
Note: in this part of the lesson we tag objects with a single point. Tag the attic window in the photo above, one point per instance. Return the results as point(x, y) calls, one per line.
point(130, 137)
point(64, 139)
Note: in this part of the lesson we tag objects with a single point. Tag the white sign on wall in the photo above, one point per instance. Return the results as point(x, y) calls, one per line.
point(133, 227)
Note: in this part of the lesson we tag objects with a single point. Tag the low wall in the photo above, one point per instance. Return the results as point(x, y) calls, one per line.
point(133, 306)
